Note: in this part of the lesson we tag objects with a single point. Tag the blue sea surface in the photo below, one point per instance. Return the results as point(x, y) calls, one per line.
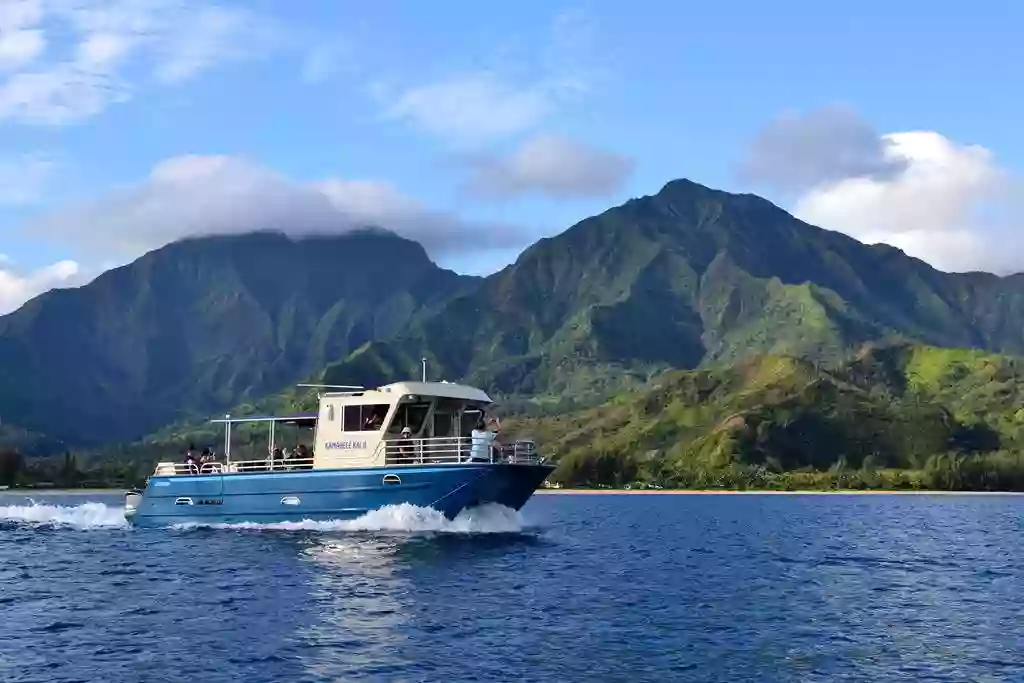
point(576, 588)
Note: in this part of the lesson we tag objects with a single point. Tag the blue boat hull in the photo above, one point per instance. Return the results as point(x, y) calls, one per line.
point(318, 495)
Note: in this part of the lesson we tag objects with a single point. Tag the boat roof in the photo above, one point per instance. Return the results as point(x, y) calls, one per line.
point(427, 389)
point(300, 419)
point(439, 389)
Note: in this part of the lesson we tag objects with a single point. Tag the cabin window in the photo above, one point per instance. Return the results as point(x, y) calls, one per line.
point(443, 424)
point(446, 416)
point(470, 417)
point(368, 418)
point(409, 415)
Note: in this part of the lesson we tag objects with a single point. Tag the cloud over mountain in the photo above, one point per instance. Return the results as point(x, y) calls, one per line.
point(948, 203)
point(18, 285)
point(194, 195)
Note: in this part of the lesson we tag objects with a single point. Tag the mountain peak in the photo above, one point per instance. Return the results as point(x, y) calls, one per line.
point(198, 323)
point(685, 186)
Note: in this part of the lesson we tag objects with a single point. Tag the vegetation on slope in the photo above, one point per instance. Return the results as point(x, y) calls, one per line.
point(203, 324)
point(683, 279)
point(900, 416)
point(689, 278)
point(891, 416)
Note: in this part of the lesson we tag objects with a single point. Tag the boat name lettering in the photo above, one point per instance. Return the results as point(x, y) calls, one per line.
point(346, 445)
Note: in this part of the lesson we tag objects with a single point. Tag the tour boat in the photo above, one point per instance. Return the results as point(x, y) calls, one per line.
point(406, 442)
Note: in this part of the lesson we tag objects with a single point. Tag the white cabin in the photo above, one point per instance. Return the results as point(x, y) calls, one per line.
point(363, 428)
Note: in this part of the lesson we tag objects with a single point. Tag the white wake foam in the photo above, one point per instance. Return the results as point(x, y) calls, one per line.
point(395, 518)
point(486, 519)
point(84, 516)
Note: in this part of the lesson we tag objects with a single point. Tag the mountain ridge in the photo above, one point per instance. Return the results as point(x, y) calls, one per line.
point(685, 278)
point(202, 322)
point(699, 275)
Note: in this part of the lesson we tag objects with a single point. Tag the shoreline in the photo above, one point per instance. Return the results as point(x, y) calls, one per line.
point(768, 492)
point(623, 492)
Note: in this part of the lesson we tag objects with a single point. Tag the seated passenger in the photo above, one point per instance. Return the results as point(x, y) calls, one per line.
point(274, 460)
point(484, 440)
point(404, 444)
point(191, 462)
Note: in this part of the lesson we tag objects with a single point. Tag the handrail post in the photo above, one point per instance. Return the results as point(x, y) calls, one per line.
point(227, 438)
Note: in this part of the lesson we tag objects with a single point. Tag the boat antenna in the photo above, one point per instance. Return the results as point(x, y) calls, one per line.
point(424, 362)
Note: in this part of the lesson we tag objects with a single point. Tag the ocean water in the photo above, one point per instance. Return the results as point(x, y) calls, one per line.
point(573, 588)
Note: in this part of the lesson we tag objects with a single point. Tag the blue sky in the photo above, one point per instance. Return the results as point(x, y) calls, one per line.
point(479, 127)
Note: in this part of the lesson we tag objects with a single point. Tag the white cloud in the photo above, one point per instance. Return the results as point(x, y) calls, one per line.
point(20, 48)
point(63, 94)
point(324, 60)
point(16, 14)
point(110, 40)
point(478, 105)
point(948, 206)
point(102, 51)
point(18, 287)
point(551, 165)
point(801, 150)
point(473, 106)
point(203, 195)
point(947, 203)
point(23, 179)
point(213, 36)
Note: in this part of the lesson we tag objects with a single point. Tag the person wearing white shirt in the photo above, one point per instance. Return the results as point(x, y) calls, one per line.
point(484, 440)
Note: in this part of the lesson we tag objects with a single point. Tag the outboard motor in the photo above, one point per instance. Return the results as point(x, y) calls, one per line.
point(132, 500)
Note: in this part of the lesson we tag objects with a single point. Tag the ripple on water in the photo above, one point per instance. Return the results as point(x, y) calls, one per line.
point(766, 588)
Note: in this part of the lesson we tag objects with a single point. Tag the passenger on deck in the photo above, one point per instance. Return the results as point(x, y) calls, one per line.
point(191, 461)
point(484, 440)
point(403, 444)
point(303, 456)
point(274, 461)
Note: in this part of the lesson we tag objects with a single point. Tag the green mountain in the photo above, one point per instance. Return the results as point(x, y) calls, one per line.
point(687, 278)
point(201, 324)
point(683, 278)
point(898, 415)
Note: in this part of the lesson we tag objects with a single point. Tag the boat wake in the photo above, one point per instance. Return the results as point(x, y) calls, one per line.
point(84, 516)
point(403, 518)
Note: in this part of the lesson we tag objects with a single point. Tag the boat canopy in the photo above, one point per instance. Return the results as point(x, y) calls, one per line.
point(299, 419)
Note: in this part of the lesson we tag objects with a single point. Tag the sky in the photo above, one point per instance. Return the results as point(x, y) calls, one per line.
point(477, 128)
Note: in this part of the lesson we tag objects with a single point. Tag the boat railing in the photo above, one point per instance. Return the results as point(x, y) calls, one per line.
point(164, 469)
point(262, 465)
point(269, 465)
point(396, 452)
point(453, 450)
